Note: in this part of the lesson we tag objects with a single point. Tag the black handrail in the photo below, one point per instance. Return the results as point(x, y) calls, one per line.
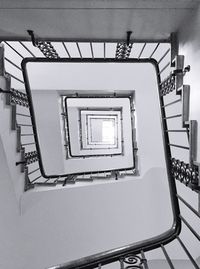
point(99, 155)
point(67, 60)
point(155, 242)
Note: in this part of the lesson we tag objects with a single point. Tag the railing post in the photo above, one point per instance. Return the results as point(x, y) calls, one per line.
point(13, 117)
point(18, 129)
point(174, 47)
point(193, 142)
point(2, 63)
point(185, 105)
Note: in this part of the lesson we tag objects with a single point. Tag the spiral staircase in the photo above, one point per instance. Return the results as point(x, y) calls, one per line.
point(171, 91)
point(22, 157)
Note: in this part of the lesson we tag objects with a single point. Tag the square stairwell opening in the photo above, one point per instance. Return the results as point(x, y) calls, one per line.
point(86, 108)
point(102, 127)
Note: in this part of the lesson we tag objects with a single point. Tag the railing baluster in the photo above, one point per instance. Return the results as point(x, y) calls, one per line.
point(79, 50)
point(190, 228)
point(165, 54)
point(163, 69)
point(91, 48)
point(14, 49)
point(12, 63)
point(43, 184)
point(167, 257)
point(27, 125)
point(27, 144)
point(188, 253)
point(178, 146)
point(24, 115)
point(176, 131)
point(33, 171)
point(142, 50)
point(121, 261)
point(12, 76)
point(173, 116)
point(188, 205)
point(27, 49)
point(27, 134)
point(172, 103)
point(154, 50)
point(144, 260)
point(65, 47)
point(35, 179)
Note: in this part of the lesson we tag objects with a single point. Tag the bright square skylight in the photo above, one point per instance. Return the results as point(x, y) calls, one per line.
point(100, 129)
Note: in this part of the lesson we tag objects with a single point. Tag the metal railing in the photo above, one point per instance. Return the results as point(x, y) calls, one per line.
point(25, 127)
point(133, 255)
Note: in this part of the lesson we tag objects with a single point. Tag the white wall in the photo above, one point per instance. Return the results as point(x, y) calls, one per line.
point(63, 225)
point(11, 246)
point(47, 113)
point(189, 36)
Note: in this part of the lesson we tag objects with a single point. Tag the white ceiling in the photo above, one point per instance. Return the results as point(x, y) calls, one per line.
point(100, 19)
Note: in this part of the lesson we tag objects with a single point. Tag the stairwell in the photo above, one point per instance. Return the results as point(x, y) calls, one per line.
point(11, 137)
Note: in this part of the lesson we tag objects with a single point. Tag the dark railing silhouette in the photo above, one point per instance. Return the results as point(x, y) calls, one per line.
point(132, 255)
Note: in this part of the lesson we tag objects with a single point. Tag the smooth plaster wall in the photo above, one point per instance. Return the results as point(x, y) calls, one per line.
point(67, 224)
point(49, 232)
point(47, 114)
point(59, 226)
point(11, 246)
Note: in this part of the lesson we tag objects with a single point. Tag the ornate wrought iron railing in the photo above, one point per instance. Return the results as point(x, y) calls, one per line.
point(133, 255)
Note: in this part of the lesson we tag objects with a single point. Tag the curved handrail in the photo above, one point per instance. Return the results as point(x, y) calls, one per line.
point(116, 254)
point(32, 113)
point(155, 242)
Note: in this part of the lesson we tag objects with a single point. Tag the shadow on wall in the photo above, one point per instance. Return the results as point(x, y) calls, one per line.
point(190, 30)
